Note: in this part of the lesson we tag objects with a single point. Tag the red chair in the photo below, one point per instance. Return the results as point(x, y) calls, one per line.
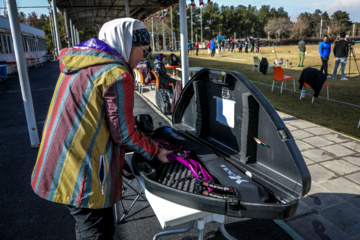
point(279, 76)
point(307, 85)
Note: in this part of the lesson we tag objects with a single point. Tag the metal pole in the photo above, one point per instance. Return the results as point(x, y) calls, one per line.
point(183, 42)
point(22, 72)
point(57, 34)
point(66, 28)
point(172, 35)
point(321, 22)
point(175, 41)
point(164, 39)
point(78, 36)
point(72, 33)
point(170, 40)
point(354, 30)
point(127, 8)
point(52, 31)
point(75, 40)
point(191, 24)
point(201, 28)
point(152, 34)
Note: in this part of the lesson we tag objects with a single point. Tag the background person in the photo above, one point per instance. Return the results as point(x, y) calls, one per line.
point(212, 48)
point(89, 125)
point(160, 70)
point(340, 51)
point(197, 48)
point(208, 47)
point(302, 50)
point(324, 50)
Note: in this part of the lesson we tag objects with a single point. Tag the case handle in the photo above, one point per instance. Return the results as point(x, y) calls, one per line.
point(220, 77)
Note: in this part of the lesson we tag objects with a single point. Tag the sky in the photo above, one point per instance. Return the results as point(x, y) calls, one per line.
point(293, 7)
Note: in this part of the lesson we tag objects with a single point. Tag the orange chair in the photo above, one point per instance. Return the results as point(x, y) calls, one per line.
point(307, 85)
point(279, 76)
point(140, 81)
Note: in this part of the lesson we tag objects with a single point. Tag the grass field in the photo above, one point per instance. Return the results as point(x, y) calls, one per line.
point(334, 114)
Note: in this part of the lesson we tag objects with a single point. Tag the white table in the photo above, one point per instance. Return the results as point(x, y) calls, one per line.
point(192, 70)
point(172, 214)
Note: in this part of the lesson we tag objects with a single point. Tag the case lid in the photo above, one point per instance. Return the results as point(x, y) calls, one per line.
point(226, 112)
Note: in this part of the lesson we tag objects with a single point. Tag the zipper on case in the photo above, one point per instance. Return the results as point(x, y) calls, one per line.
point(102, 173)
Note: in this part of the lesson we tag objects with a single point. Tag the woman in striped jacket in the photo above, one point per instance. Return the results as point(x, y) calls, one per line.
point(89, 125)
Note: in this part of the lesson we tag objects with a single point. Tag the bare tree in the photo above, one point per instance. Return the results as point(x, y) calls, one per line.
point(335, 29)
point(300, 26)
point(278, 26)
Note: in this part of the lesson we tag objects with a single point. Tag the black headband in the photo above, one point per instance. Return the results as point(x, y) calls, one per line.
point(141, 37)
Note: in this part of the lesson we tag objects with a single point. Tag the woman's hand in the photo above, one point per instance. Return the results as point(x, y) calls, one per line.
point(162, 155)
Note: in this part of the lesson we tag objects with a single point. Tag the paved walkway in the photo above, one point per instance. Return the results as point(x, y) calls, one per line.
point(331, 210)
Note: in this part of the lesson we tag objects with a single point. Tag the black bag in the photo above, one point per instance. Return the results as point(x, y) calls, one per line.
point(163, 101)
point(173, 60)
point(264, 64)
point(144, 123)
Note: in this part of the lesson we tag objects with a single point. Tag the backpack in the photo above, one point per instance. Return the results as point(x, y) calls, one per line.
point(264, 64)
point(173, 60)
point(145, 68)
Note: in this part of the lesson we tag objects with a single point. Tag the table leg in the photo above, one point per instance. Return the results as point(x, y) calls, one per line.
point(175, 231)
point(213, 218)
point(225, 233)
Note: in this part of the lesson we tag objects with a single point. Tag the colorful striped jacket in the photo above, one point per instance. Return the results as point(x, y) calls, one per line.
point(89, 124)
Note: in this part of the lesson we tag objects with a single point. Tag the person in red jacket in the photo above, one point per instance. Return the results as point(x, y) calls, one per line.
point(208, 47)
point(197, 48)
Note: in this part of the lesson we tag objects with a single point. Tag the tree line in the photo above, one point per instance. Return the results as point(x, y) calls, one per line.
point(250, 21)
point(228, 21)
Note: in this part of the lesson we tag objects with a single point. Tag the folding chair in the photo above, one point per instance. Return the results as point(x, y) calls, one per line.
point(256, 63)
point(126, 185)
point(307, 85)
point(279, 76)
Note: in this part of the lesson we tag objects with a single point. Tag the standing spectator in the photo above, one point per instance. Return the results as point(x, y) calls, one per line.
point(197, 48)
point(212, 48)
point(232, 45)
point(246, 45)
point(341, 50)
point(222, 45)
point(324, 50)
point(189, 46)
point(208, 47)
point(252, 42)
point(302, 50)
point(258, 46)
point(240, 46)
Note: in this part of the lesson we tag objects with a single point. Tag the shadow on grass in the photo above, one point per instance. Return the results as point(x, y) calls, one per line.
point(338, 116)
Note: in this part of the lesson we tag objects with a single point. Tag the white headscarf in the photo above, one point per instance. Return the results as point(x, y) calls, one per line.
point(118, 34)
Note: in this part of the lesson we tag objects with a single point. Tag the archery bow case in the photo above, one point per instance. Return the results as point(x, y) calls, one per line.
point(236, 134)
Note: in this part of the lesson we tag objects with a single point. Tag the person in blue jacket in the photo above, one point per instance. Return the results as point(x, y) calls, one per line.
point(324, 50)
point(212, 48)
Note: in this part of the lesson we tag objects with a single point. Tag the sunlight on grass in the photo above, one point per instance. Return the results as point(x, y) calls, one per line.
point(338, 116)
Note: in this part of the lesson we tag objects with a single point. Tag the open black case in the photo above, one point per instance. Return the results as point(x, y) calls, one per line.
point(235, 133)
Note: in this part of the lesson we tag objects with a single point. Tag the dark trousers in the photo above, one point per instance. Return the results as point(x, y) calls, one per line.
point(213, 52)
point(94, 224)
point(164, 83)
point(197, 51)
point(324, 65)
